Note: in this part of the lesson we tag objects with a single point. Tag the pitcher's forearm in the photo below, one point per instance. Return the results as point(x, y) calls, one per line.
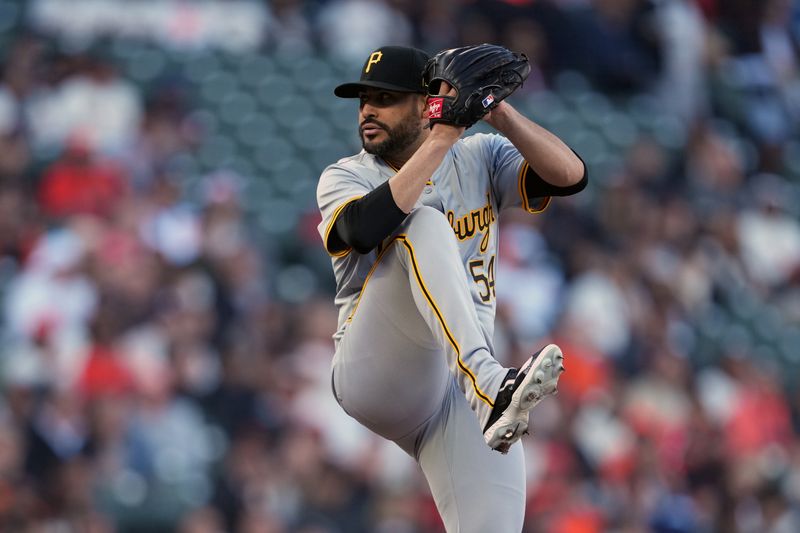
point(547, 155)
point(408, 183)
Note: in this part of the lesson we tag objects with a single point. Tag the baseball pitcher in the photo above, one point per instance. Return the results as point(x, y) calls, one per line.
point(410, 223)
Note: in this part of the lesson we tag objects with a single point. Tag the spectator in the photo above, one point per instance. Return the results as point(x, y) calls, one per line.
point(349, 29)
point(81, 183)
point(93, 104)
point(616, 45)
point(288, 28)
point(684, 41)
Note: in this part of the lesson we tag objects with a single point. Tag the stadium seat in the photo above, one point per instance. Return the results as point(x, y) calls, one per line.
point(255, 129)
point(200, 64)
point(235, 107)
point(273, 90)
point(619, 130)
point(146, 64)
point(251, 68)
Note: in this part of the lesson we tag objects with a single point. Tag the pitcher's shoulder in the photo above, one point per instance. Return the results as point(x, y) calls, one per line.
point(361, 160)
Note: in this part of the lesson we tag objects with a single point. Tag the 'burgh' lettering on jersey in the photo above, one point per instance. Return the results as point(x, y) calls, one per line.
point(480, 177)
point(478, 219)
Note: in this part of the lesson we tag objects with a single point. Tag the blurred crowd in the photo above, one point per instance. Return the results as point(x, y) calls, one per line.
point(155, 377)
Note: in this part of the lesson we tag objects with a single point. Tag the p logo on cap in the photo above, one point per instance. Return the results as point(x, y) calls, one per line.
point(374, 58)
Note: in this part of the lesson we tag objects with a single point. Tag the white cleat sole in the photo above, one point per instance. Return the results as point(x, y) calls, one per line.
point(541, 380)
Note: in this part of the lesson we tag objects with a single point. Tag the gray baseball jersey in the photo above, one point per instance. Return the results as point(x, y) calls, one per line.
point(414, 358)
point(480, 176)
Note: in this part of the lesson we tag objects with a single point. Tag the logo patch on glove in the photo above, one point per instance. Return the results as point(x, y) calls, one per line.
point(489, 100)
point(435, 106)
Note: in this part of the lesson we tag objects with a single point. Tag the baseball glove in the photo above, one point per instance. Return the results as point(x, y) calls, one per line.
point(483, 75)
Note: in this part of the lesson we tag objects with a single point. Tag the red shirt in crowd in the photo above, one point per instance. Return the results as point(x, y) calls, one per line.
point(79, 184)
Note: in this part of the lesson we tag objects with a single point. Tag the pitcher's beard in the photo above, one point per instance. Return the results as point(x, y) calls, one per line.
point(400, 138)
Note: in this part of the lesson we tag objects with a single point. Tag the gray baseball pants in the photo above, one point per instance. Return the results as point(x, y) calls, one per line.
point(414, 366)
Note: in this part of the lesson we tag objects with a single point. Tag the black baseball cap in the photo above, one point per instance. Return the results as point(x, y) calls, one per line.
point(394, 68)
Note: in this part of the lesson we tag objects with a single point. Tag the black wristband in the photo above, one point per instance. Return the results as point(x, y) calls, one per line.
point(364, 223)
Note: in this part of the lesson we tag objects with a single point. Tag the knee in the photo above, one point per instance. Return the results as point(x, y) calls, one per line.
point(427, 221)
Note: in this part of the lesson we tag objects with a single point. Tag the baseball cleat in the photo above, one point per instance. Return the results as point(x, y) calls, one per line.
point(523, 390)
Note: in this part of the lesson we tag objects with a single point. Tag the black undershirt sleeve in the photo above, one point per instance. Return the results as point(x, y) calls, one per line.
point(536, 187)
point(364, 223)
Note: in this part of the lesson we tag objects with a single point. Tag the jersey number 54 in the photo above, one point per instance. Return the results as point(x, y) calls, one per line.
point(483, 275)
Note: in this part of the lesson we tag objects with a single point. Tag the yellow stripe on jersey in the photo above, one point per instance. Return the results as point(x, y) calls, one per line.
point(450, 338)
point(523, 174)
point(335, 215)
